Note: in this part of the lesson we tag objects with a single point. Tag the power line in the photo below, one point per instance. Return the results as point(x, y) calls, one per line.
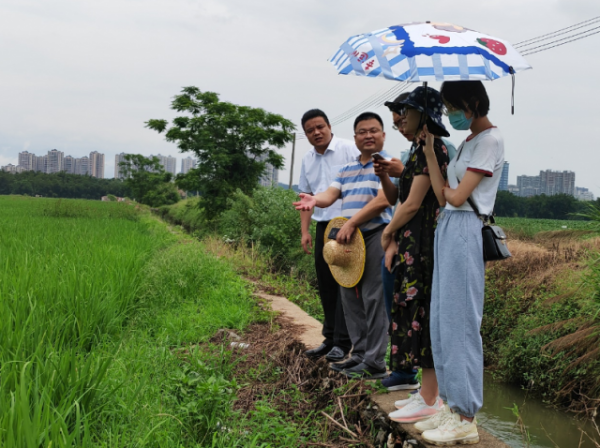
point(564, 40)
point(557, 32)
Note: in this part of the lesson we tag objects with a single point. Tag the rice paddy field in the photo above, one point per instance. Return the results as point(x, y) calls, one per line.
point(95, 300)
point(528, 228)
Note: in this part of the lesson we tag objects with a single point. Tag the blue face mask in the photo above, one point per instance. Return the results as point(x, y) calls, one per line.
point(459, 121)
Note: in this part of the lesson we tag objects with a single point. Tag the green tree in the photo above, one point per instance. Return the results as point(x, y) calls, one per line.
point(149, 183)
point(232, 143)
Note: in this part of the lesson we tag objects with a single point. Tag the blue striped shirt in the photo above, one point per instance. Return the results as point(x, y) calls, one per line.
point(359, 185)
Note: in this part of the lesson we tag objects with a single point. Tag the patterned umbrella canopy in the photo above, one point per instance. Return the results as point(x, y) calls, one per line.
point(429, 51)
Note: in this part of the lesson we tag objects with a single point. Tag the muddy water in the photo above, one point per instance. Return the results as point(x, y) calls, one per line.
point(548, 428)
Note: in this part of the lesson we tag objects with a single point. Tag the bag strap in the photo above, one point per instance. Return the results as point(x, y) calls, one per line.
point(486, 218)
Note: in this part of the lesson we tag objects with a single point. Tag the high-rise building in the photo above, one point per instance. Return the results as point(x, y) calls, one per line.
point(82, 166)
point(26, 160)
point(270, 176)
point(583, 194)
point(55, 161)
point(40, 163)
point(169, 163)
point(503, 185)
point(513, 189)
point(119, 173)
point(557, 182)
point(97, 164)
point(528, 185)
point(69, 164)
point(187, 164)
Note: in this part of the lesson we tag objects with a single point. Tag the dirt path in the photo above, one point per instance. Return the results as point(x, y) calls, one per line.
point(310, 335)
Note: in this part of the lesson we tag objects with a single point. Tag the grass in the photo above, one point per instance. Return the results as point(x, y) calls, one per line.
point(526, 228)
point(97, 302)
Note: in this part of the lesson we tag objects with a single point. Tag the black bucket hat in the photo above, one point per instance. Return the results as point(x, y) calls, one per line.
point(428, 101)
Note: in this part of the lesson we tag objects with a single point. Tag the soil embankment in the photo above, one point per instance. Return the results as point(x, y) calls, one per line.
point(301, 328)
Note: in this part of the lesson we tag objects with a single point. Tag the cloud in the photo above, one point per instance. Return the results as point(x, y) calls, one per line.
point(83, 76)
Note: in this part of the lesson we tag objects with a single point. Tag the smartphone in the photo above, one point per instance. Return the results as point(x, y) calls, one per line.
point(377, 156)
point(333, 233)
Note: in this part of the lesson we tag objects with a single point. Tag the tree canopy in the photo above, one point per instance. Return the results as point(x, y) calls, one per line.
point(560, 206)
point(148, 181)
point(60, 185)
point(232, 144)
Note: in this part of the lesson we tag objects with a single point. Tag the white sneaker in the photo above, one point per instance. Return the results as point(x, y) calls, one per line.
point(435, 421)
point(453, 431)
point(401, 403)
point(415, 411)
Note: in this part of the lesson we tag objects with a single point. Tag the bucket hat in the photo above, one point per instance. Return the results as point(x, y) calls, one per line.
point(428, 101)
point(346, 261)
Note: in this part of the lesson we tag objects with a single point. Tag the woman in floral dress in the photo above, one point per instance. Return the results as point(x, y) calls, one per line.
point(413, 227)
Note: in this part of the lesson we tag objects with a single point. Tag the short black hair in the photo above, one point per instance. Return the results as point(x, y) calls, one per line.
point(368, 116)
point(473, 93)
point(314, 113)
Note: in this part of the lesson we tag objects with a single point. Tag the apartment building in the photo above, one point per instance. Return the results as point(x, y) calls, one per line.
point(96, 164)
point(187, 164)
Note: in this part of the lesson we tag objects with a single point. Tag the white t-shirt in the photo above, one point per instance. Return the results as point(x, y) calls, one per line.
point(320, 170)
point(483, 153)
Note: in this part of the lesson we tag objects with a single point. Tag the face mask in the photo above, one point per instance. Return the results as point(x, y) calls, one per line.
point(458, 120)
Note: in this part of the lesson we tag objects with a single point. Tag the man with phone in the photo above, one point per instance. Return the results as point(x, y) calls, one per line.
point(319, 169)
point(366, 207)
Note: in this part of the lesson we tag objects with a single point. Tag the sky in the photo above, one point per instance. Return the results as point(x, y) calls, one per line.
point(83, 76)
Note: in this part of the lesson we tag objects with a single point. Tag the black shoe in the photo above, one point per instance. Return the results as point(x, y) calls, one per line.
point(318, 352)
point(336, 354)
point(338, 367)
point(364, 371)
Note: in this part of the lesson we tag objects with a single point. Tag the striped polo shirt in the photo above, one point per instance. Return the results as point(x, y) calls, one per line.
point(359, 185)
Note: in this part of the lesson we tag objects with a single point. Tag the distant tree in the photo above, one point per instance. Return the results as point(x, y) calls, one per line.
point(148, 181)
point(232, 143)
point(60, 185)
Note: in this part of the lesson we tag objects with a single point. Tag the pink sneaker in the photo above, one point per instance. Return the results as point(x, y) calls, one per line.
point(416, 410)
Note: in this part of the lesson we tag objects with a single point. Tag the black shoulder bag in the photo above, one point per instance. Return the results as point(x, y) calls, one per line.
point(494, 238)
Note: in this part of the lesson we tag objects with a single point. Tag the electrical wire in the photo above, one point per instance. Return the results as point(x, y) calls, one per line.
point(564, 40)
point(557, 33)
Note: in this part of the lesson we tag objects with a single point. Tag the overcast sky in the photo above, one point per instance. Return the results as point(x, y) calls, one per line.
point(81, 76)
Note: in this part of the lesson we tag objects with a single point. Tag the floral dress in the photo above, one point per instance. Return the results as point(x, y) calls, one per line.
point(410, 338)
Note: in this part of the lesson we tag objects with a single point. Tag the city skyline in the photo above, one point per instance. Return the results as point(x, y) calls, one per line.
point(55, 161)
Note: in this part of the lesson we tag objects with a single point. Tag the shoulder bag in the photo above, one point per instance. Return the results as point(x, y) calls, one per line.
point(494, 238)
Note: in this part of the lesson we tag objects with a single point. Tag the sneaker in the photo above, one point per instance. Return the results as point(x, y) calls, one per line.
point(392, 384)
point(415, 411)
point(453, 431)
point(435, 421)
point(401, 403)
point(364, 371)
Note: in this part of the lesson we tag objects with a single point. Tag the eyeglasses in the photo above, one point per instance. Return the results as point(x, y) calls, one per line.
point(311, 131)
point(365, 132)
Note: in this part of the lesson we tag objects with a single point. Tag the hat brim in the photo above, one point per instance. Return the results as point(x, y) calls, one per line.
point(348, 276)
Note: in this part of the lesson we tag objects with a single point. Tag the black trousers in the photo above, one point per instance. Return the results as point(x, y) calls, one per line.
point(334, 324)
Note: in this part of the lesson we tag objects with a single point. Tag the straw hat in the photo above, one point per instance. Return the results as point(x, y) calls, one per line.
point(346, 261)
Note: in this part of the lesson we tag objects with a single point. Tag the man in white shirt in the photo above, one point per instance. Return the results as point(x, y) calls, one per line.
point(320, 167)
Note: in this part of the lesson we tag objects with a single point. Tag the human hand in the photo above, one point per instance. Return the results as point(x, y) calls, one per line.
point(306, 242)
point(392, 167)
point(386, 238)
point(429, 139)
point(306, 203)
point(345, 233)
point(390, 253)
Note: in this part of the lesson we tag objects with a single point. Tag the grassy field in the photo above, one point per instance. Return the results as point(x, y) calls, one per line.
point(95, 299)
point(527, 228)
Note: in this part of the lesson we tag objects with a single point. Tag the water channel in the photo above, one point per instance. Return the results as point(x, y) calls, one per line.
point(548, 428)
